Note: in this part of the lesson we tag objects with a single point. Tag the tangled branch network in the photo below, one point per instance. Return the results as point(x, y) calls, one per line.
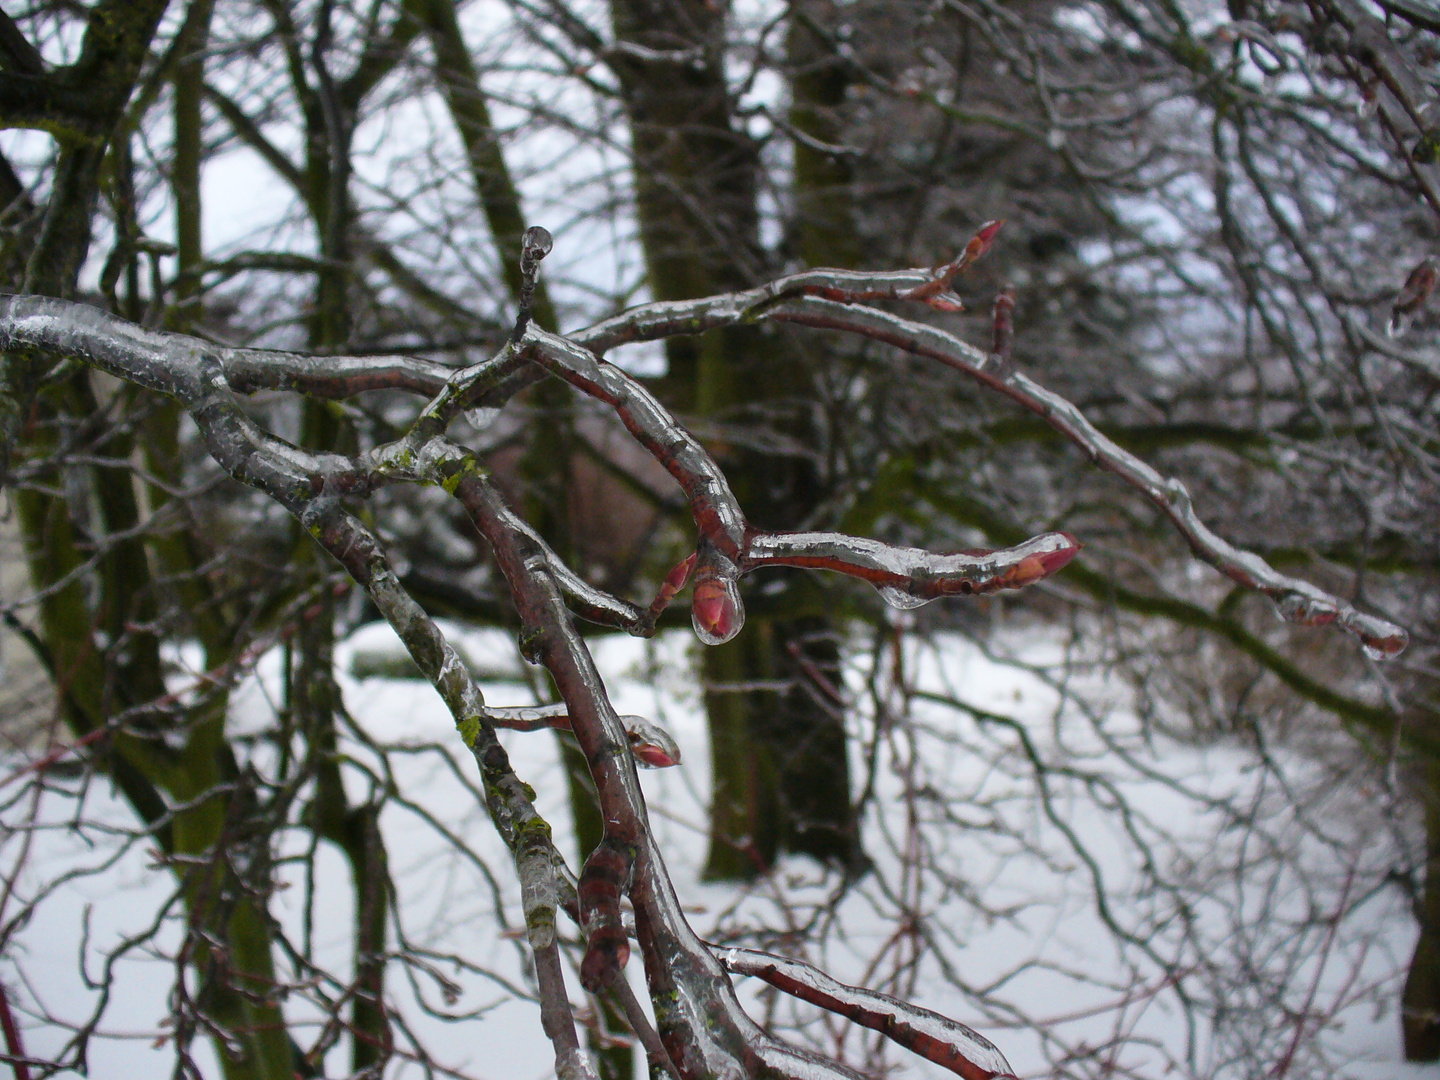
point(700, 1029)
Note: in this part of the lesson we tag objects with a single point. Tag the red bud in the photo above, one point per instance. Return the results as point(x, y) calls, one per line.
point(654, 756)
point(1042, 564)
point(716, 612)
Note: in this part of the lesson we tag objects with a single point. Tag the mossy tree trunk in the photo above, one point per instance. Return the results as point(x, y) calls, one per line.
point(99, 633)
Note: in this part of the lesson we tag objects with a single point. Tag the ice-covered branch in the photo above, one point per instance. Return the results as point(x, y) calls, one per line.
point(651, 744)
point(932, 1036)
point(657, 1057)
point(650, 322)
point(249, 370)
point(730, 547)
point(703, 1028)
point(1297, 600)
point(908, 577)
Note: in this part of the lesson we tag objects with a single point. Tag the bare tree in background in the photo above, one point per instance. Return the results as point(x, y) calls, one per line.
point(1211, 216)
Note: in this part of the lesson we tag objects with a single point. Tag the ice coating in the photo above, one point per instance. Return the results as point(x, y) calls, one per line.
point(697, 1013)
point(575, 1064)
point(1307, 610)
point(717, 511)
point(909, 577)
point(716, 611)
point(604, 879)
point(652, 745)
point(936, 1038)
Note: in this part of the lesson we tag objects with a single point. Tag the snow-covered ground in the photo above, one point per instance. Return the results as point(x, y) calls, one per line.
point(988, 853)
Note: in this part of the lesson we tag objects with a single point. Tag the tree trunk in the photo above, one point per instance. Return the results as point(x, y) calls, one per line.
point(780, 774)
point(1420, 1001)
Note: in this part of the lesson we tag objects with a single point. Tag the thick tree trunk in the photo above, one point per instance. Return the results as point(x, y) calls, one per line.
point(780, 775)
point(1420, 1001)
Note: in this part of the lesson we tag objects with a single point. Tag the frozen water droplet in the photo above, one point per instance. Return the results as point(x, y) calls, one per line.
point(899, 599)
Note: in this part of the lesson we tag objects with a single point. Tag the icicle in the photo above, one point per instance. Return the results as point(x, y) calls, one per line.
point(899, 599)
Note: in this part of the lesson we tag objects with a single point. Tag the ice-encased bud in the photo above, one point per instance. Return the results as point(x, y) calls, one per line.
point(1381, 639)
point(715, 608)
point(652, 745)
point(536, 243)
point(1049, 553)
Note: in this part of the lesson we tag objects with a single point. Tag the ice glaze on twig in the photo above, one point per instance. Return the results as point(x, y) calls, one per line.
point(934, 1037)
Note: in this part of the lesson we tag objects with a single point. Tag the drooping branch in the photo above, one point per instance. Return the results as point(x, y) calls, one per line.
point(1298, 601)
